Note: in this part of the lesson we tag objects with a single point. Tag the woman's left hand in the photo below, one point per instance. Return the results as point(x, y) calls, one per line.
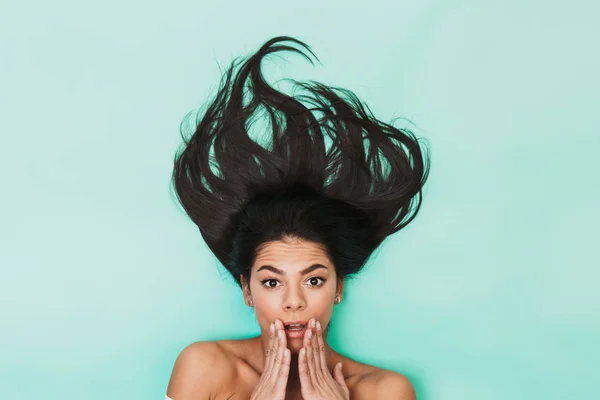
point(316, 381)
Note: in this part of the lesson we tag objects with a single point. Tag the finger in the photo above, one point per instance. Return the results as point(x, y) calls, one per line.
point(339, 377)
point(314, 344)
point(270, 346)
point(310, 357)
point(321, 346)
point(278, 358)
point(274, 349)
point(304, 373)
point(284, 371)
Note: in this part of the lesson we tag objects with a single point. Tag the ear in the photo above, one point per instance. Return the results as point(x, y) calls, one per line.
point(245, 288)
point(339, 291)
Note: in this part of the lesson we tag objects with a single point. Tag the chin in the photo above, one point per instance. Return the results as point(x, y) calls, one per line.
point(294, 345)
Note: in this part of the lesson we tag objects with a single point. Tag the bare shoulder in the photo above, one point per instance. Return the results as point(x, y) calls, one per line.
point(378, 383)
point(199, 370)
point(393, 385)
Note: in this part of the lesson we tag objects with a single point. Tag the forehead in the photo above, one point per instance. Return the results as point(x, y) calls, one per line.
point(295, 253)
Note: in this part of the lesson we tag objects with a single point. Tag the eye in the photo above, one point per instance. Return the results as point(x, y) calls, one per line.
point(269, 286)
point(316, 278)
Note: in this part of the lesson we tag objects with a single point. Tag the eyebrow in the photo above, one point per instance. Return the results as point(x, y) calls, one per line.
point(281, 272)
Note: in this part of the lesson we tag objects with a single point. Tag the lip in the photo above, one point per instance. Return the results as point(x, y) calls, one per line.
point(295, 334)
point(305, 323)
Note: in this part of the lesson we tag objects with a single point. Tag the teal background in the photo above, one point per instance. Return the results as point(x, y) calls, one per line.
point(491, 293)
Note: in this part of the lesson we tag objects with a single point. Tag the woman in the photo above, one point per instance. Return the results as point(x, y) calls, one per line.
point(290, 221)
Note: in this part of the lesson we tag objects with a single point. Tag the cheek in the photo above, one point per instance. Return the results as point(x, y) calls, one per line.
point(323, 300)
point(266, 309)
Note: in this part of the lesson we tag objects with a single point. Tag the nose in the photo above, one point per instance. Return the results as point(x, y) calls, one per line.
point(294, 300)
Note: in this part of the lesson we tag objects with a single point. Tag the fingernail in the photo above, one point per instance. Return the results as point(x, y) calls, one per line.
point(312, 323)
point(318, 325)
point(272, 328)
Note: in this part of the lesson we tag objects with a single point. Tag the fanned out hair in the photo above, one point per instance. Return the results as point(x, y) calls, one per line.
point(345, 197)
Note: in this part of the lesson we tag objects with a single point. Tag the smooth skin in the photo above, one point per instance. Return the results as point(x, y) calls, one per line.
point(291, 280)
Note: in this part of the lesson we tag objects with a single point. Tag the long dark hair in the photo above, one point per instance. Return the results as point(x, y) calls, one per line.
point(344, 197)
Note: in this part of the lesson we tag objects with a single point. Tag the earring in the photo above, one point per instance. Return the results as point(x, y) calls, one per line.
point(250, 303)
point(337, 300)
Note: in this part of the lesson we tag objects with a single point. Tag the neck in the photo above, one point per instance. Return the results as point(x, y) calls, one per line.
point(293, 384)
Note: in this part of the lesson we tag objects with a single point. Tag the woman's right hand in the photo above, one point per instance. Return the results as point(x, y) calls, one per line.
point(273, 381)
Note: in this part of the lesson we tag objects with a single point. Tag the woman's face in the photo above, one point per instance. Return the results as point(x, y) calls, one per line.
point(292, 280)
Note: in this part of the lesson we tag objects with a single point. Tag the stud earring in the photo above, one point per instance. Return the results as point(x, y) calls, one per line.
point(250, 303)
point(337, 300)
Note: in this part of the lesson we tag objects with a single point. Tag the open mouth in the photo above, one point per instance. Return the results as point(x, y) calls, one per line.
point(295, 331)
